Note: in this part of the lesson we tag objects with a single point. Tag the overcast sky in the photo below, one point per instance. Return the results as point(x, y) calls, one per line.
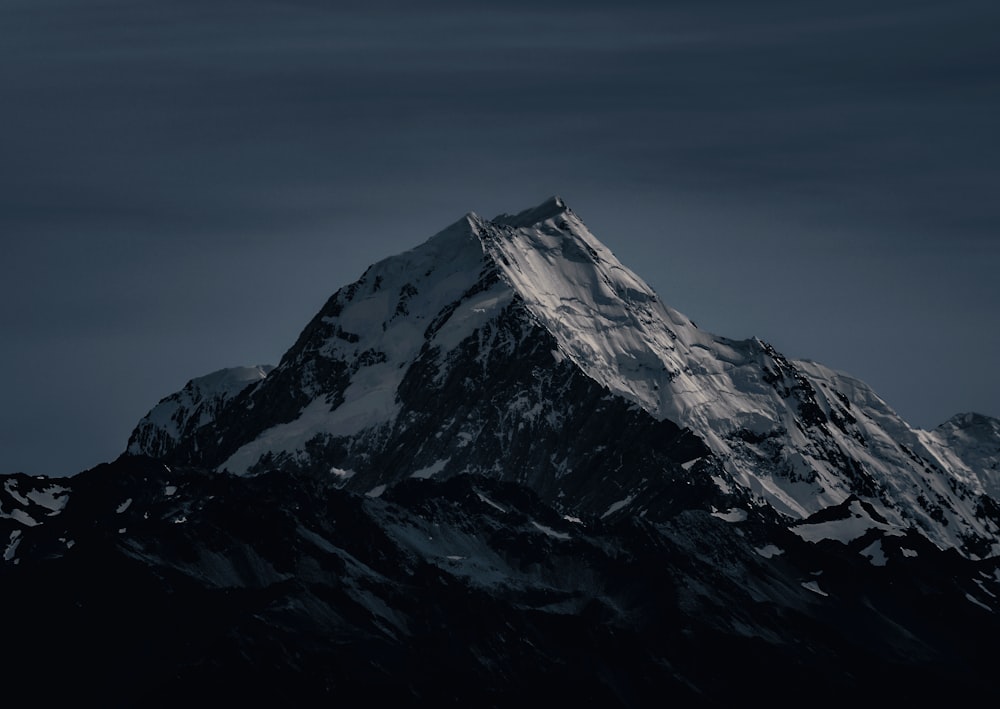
point(183, 183)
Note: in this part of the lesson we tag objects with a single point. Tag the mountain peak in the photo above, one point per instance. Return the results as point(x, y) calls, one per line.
point(549, 209)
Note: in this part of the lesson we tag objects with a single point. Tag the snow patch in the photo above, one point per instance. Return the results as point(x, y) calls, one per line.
point(874, 553)
point(769, 551)
point(972, 599)
point(20, 516)
point(844, 530)
point(376, 491)
point(983, 588)
point(11, 487)
point(53, 498)
point(317, 540)
point(431, 470)
point(11, 550)
point(814, 587)
point(615, 506)
point(123, 506)
point(724, 487)
point(490, 502)
point(551, 532)
point(734, 514)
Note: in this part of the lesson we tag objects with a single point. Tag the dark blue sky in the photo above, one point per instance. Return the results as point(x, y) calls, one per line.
point(183, 183)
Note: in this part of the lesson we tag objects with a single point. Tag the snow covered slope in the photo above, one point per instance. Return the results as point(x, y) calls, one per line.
point(969, 443)
point(801, 436)
point(197, 404)
point(521, 348)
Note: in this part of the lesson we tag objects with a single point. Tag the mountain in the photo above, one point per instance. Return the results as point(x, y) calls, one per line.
point(479, 351)
point(497, 465)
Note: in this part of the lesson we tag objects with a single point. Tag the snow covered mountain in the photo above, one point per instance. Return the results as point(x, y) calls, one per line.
point(520, 348)
point(498, 466)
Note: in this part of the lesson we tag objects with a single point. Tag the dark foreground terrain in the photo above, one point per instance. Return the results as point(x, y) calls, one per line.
point(137, 585)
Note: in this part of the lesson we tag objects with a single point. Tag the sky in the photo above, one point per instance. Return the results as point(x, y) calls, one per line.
point(183, 183)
